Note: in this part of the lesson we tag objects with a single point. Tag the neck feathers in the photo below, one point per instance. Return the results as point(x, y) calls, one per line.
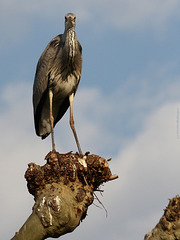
point(71, 42)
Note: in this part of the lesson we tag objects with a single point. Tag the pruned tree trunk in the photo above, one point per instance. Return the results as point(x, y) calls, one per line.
point(63, 190)
point(168, 227)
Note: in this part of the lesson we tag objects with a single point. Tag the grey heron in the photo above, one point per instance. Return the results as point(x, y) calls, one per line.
point(56, 80)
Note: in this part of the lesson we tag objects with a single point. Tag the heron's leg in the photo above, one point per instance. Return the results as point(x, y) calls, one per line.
point(72, 123)
point(51, 118)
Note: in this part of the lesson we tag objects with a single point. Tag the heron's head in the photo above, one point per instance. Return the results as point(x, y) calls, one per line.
point(70, 21)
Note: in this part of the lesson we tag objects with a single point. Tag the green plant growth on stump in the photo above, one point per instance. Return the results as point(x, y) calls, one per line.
point(63, 190)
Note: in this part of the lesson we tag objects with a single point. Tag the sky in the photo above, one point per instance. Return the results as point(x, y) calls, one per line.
point(127, 108)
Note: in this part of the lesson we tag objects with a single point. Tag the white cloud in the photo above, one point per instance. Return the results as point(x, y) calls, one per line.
point(148, 173)
point(19, 17)
point(137, 14)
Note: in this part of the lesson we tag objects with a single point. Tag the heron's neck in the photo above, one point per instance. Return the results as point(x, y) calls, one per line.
point(71, 42)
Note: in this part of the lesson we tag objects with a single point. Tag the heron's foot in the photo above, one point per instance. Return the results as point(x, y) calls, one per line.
point(82, 161)
point(52, 155)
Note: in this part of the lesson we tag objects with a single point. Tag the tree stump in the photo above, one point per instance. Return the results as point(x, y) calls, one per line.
point(63, 190)
point(168, 227)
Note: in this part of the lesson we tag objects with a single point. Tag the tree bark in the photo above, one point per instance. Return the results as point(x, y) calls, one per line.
point(168, 227)
point(63, 190)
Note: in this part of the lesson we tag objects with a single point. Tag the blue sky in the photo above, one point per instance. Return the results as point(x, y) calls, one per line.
point(125, 107)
